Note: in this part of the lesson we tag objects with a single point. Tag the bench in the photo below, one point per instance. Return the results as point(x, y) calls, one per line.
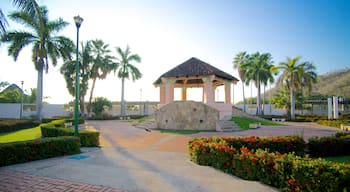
point(345, 127)
point(254, 125)
point(279, 119)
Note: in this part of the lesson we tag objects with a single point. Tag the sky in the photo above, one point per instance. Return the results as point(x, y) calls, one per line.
point(169, 32)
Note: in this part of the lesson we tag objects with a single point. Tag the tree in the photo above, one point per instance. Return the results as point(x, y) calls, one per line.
point(28, 6)
point(126, 70)
point(68, 71)
point(259, 69)
point(241, 59)
point(102, 64)
point(296, 75)
point(100, 105)
point(40, 35)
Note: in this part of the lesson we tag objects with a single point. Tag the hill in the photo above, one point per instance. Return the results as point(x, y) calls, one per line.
point(332, 83)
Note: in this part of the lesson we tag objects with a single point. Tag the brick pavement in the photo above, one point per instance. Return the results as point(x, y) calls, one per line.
point(13, 181)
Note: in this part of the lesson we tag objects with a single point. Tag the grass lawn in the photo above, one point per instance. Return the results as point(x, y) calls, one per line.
point(182, 132)
point(244, 122)
point(340, 159)
point(21, 135)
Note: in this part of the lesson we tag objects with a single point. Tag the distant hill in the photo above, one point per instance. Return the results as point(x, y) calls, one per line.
point(332, 83)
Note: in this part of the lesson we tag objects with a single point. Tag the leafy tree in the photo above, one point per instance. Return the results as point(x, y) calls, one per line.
point(125, 70)
point(260, 70)
point(4, 84)
point(68, 71)
point(241, 59)
point(100, 105)
point(41, 35)
point(102, 64)
point(11, 96)
point(295, 76)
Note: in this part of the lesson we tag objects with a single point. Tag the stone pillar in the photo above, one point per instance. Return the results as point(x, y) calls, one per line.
point(169, 90)
point(335, 107)
point(208, 90)
point(329, 108)
point(227, 92)
point(184, 94)
point(161, 94)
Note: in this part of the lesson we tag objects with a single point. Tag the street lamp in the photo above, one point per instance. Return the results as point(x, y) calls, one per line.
point(78, 20)
point(21, 110)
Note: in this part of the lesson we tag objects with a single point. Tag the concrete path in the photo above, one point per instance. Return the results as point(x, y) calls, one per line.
point(136, 160)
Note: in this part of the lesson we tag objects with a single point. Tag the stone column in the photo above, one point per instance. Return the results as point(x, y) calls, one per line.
point(208, 89)
point(169, 90)
point(227, 92)
point(162, 94)
point(184, 94)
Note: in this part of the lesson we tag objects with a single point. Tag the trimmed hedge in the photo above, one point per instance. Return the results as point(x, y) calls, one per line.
point(24, 151)
point(11, 125)
point(337, 145)
point(55, 129)
point(287, 172)
point(282, 144)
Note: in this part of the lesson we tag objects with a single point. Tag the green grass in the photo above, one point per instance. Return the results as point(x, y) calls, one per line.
point(182, 132)
point(21, 135)
point(244, 122)
point(339, 159)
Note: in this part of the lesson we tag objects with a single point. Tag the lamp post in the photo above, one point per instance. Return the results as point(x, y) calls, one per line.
point(78, 20)
point(21, 110)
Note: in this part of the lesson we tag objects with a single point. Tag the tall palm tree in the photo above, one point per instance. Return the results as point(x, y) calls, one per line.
point(238, 62)
point(126, 70)
point(28, 6)
point(296, 75)
point(41, 35)
point(68, 71)
point(259, 69)
point(102, 64)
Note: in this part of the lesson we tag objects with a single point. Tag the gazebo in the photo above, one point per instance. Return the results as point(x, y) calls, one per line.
point(195, 73)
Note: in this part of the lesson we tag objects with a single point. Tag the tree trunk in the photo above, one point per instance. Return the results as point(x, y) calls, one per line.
point(82, 106)
point(122, 108)
point(292, 104)
point(39, 95)
point(243, 97)
point(90, 99)
point(258, 99)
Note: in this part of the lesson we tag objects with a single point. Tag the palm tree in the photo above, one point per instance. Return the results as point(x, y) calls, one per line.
point(28, 6)
point(126, 70)
point(102, 64)
point(295, 76)
point(259, 69)
point(241, 59)
point(45, 45)
point(68, 71)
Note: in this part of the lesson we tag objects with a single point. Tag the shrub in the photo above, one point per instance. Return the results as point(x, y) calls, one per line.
point(24, 151)
point(87, 138)
point(287, 172)
point(11, 125)
point(337, 145)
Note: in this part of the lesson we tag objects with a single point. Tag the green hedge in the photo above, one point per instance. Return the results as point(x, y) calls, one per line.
point(287, 172)
point(55, 129)
point(10, 125)
point(337, 145)
point(24, 151)
point(282, 144)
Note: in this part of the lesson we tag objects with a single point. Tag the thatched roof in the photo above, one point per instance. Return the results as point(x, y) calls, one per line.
point(195, 68)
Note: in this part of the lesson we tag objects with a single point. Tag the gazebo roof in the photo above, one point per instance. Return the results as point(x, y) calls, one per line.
point(193, 70)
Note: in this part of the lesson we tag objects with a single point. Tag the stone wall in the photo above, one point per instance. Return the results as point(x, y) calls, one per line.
point(187, 115)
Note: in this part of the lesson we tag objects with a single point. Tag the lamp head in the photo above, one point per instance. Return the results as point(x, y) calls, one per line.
point(78, 20)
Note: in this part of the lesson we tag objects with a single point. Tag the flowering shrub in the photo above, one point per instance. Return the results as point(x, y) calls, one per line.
point(329, 146)
point(24, 151)
point(287, 171)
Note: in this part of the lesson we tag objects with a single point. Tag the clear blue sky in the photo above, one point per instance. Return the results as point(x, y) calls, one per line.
point(167, 33)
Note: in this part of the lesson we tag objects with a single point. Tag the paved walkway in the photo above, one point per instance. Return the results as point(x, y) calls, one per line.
point(133, 159)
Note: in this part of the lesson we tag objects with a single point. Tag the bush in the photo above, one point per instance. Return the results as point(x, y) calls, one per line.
point(24, 151)
point(11, 125)
point(87, 138)
point(337, 145)
point(287, 172)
